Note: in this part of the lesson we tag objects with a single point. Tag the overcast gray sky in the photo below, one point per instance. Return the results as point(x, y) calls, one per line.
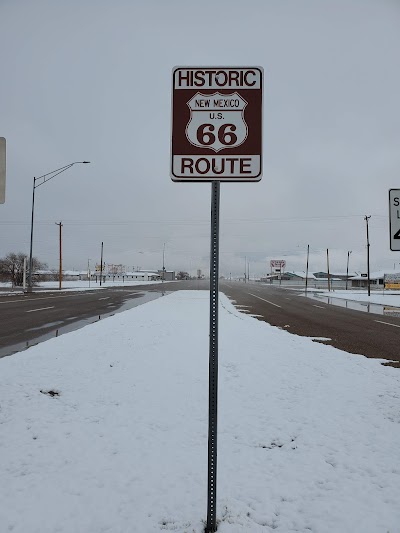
point(92, 81)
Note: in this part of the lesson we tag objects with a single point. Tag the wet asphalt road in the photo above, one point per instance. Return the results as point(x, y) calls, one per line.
point(28, 319)
point(358, 332)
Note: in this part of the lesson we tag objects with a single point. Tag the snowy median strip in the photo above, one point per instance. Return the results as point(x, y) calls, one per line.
point(105, 429)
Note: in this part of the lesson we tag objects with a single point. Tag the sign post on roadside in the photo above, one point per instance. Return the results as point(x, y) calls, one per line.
point(2, 170)
point(216, 136)
point(394, 219)
point(277, 265)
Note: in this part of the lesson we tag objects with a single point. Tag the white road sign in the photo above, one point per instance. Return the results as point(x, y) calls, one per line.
point(216, 124)
point(2, 170)
point(394, 219)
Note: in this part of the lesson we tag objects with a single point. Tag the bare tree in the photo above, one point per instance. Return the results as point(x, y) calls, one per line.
point(12, 267)
point(182, 275)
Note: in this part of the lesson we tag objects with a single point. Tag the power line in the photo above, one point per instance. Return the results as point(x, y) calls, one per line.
point(103, 222)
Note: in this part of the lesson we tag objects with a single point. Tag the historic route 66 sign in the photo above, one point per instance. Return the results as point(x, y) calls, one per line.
point(217, 124)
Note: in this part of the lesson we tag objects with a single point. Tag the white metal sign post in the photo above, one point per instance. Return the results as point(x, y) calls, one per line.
point(216, 136)
point(394, 219)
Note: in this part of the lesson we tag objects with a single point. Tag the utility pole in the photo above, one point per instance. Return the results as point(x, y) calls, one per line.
point(24, 275)
point(245, 268)
point(59, 224)
point(347, 271)
point(327, 262)
point(366, 218)
point(308, 255)
point(163, 263)
point(101, 263)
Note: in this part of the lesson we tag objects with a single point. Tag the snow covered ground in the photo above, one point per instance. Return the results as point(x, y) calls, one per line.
point(80, 285)
point(105, 429)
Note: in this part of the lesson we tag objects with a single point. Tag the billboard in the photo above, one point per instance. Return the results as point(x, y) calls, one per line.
point(278, 263)
point(392, 281)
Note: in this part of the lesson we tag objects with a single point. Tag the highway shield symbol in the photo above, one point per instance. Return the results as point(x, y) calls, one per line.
point(217, 121)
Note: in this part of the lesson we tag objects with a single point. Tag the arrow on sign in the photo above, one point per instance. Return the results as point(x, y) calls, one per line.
point(397, 235)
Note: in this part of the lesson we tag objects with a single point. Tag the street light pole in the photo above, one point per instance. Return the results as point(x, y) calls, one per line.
point(347, 271)
point(308, 255)
point(327, 263)
point(163, 263)
point(101, 263)
point(29, 289)
point(368, 273)
point(59, 224)
point(37, 182)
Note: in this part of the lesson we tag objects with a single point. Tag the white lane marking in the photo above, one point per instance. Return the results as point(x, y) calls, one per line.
point(105, 298)
point(287, 298)
point(43, 298)
point(41, 309)
point(11, 301)
point(319, 307)
point(268, 302)
point(388, 323)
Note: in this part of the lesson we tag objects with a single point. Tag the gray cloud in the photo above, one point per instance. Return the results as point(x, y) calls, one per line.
point(92, 81)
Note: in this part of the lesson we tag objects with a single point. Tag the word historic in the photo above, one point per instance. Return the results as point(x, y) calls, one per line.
point(217, 79)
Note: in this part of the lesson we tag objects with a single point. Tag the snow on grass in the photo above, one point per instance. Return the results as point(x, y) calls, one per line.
point(105, 429)
point(78, 285)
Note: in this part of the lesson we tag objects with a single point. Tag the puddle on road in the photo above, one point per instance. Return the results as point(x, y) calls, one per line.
point(139, 299)
point(366, 307)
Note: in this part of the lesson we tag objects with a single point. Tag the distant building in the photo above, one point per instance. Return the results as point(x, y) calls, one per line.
point(137, 275)
point(166, 275)
point(288, 276)
point(44, 275)
point(73, 275)
point(297, 275)
point(336, 275)
point(377, 279)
